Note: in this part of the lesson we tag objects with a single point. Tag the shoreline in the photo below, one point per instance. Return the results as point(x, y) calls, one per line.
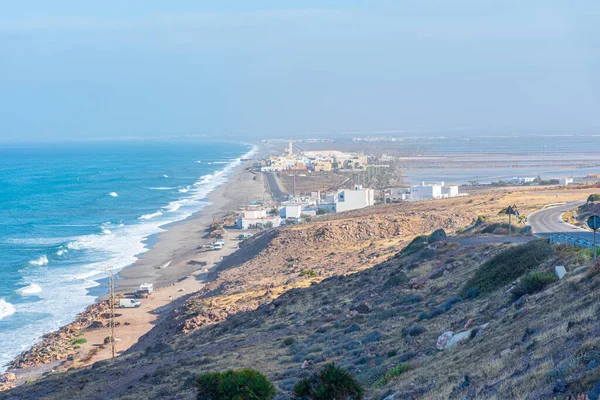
point(175, 263)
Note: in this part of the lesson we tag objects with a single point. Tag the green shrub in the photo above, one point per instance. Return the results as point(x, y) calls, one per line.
point(471, 293)
point(244, 384)
point(330, 383)
point(107, 340)
point(392, 373)
point(533, 283)
point(288, 341)
point(79, 340)
point(509, 265)
point(308, 272)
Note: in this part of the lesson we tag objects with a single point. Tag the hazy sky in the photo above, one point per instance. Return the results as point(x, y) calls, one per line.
point(73, 69)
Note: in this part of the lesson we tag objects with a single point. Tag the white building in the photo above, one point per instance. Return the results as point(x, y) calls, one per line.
point(565, 181)
point(291, 211)
point(354, 199)
point(257, 218)
point(432, 192)
point(396, 194)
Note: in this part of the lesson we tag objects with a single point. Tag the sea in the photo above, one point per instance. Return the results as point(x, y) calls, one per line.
point(69, 211)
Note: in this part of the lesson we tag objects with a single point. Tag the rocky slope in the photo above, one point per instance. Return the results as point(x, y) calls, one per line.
point(342, 290)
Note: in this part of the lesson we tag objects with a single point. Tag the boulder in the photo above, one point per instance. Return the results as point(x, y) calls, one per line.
point(560, 271)
point(457, 338)
point(443, 340)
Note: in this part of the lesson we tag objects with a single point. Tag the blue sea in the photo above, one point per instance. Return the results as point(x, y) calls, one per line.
point(68, 211)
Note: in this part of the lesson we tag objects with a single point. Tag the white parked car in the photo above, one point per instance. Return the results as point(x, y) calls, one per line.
point(129, 303)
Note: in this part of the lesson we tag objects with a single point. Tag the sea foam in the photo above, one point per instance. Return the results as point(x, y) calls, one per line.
point(34, 288)
point(39, 262)
point(113, 194)
point(153, 215)
point(6, 309)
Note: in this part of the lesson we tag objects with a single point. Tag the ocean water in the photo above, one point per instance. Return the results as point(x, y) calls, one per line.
point(69, 211)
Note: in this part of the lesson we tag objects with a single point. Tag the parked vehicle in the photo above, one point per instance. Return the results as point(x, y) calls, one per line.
point(243, 236)
point(217, 246)
point(129, 303)
point(141, 294)
point(147, 287)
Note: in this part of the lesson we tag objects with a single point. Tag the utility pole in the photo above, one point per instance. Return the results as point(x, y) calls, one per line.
point(111, 280)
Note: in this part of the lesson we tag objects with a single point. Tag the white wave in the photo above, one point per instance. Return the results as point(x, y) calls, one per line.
point(150, 216)
point(221, 162)
point(40, 261)
point(184, 190)
point(113, 194)
point(198, 162)
point(173, 206)
point(34, 288)
point(162, 188)
point(61, 252)
point(165, 176)
point(75, 245)
point(6, 308)
point(106, 231)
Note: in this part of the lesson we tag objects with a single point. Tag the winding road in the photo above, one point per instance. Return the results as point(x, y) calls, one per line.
point(548, 222)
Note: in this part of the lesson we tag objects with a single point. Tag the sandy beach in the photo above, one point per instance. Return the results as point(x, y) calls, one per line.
point(177, 264)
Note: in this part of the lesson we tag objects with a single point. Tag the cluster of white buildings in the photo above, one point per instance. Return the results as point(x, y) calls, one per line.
point(430, 191)
point(318, 161)
point(292, 211)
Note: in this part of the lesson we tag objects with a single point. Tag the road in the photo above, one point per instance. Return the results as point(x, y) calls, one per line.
point(548, 222)
point(276, 192)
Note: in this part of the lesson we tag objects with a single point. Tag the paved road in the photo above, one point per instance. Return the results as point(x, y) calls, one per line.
point(276, 192)
point(548, 222)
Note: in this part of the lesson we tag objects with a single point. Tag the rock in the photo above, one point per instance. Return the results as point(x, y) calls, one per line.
point(306, 364)
point(559, 386)
point(436, 273)
point(437, 235)
point(500, 313)
point(457, 338)
point(417, 283)
point(521, 301)
point(579, 270)
point(10, 376)
point(504, 352)
point(443, 340)
point(390, 397)
point(479, 333)
point(468, 323)
point(560, 271)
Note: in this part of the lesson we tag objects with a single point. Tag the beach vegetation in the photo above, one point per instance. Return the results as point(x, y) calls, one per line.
point(330, 383)
point(592, 198)
point(244, 384)
point(78, 340)
point(308, 272)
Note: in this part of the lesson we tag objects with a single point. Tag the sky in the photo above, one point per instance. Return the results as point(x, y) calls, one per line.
point(257, 69)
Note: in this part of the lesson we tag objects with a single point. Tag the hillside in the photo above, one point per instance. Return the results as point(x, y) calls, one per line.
point(348, 290)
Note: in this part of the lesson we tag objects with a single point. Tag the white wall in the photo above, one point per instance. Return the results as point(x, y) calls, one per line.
point(354, 199)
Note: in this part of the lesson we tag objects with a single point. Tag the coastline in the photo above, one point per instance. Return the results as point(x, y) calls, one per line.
point(168, 259)
point(176, 264)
